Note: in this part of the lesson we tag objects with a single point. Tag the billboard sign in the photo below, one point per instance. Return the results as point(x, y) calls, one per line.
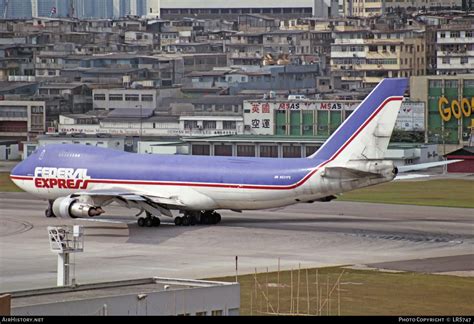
point(411, 117)
point(259, 115)
point(458, 109)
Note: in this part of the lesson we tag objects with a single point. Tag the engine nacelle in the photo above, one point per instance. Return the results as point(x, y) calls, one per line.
point(67, 207)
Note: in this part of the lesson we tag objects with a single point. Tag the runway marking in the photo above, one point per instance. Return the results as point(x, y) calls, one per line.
point(24, 227)
point(411, 237)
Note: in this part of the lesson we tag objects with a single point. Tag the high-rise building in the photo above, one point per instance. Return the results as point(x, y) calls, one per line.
point(109, 8)
point(103, 9)
point(326, 8)
point(93, 8)
point(171, 9)
point(15, 8)
point(152, 8)
point(367, 8)
point(363, 8)
point(50, 8)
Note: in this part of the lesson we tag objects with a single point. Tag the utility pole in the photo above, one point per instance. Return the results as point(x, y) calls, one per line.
point(443, 137)
point(141, 120)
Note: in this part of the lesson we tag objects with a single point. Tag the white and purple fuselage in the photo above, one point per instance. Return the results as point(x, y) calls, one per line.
point(212, 182)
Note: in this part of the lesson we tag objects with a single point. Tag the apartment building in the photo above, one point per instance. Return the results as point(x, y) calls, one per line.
point(362, 56)
point(165, 69)
point(140, 98)
point(422, 4)
point(20, 119)
point(62, 98)
point(455, 49)
point(251, 48)
point(370, 8)
point(363, 8)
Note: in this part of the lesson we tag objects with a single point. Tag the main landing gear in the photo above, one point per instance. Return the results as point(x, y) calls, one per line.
point(149, 221)
point(49, 211)
point(208, 217)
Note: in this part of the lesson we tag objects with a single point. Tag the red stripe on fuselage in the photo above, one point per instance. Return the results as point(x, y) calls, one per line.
point(237, 186)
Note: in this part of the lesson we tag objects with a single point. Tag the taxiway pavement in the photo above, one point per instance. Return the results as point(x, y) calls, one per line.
point(313, 235)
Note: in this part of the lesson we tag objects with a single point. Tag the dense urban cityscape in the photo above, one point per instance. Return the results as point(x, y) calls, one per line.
point(269, 79)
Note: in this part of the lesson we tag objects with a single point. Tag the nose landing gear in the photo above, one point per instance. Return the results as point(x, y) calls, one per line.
point(49, 211)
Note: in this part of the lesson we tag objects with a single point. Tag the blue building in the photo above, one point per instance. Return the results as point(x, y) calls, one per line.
point(45, 8)
point(15, 8)
point(82, 8)
point(105, 8)
point(93, 8)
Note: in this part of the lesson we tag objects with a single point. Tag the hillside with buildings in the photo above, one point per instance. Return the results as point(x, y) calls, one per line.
point(249, 79)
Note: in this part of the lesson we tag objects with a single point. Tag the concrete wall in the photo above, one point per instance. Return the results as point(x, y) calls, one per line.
point(9, 152)
point(190, 300)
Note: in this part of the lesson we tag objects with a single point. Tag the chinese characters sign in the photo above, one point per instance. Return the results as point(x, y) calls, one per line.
point(259, 115)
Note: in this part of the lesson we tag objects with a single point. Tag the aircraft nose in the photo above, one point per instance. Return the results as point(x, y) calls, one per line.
point(19, 174)
point(18, 170)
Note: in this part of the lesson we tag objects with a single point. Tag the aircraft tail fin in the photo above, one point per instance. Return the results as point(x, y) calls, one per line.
point(365, 134)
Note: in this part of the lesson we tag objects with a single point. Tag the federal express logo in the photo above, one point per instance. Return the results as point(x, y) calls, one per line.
point(62, 178)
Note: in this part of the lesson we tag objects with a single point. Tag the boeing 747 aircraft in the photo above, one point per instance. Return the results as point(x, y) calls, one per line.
point(78, 181)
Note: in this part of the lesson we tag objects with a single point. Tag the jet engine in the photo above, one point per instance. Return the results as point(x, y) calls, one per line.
point(68, 207)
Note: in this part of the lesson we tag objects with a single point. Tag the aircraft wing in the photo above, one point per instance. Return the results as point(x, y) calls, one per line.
point(135, 199)
point(133, 196)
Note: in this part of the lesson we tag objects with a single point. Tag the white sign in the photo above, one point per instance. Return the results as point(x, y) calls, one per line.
point(259, 115)
point(411, 116)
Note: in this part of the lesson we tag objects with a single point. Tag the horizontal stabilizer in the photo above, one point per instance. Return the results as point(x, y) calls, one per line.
point(423, 166)
point(411, 176)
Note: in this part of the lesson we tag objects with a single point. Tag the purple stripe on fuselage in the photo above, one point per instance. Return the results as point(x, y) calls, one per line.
point(387, 88)
point(112, 164)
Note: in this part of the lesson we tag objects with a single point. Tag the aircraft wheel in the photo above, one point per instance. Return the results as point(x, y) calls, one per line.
point(149, 222)
point(192, 220)
point(156, 222)
point(185, 221)
point(217, 218)
point(48, 213)
point(141, 222)
point(178, 221)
